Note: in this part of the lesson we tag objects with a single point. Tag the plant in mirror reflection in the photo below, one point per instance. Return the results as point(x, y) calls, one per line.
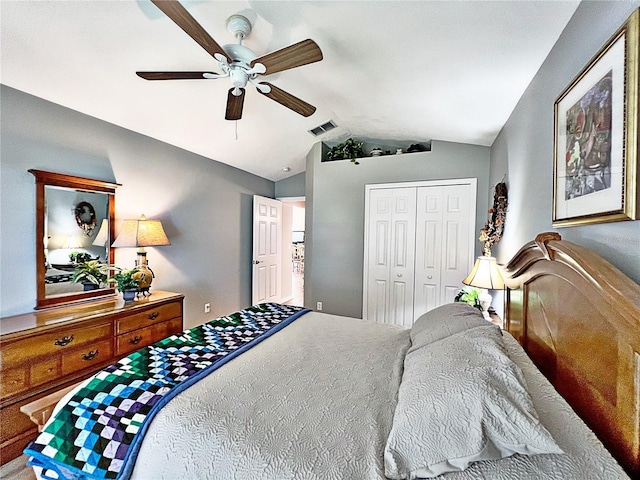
point(91, 271)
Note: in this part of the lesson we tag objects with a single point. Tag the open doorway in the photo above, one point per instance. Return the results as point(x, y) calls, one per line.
point(293, 217)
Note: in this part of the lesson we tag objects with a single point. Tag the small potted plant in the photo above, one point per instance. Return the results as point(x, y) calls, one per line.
point(79, 257)
point(470, 296)
point(91, 274)
point(350, 148)
point(126, 281)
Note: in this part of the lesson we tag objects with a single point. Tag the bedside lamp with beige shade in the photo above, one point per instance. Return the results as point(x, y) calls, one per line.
point(485, 275)
point(142, 233)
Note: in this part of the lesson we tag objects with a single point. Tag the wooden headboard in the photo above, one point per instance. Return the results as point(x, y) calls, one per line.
point(578, 318)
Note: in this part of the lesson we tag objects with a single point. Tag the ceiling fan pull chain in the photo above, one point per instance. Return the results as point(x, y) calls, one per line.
point(236, 129)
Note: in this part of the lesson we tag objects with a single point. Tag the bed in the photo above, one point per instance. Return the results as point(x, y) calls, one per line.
point(329, 397)
point(58, 280)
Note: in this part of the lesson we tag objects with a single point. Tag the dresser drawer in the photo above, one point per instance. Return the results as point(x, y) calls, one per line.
point(90, 355)
point(49, 343)
point(165, 329)
point(132, 341)
point(148, 316)
point(13, 380)
point(44, 370)
point(15, 423)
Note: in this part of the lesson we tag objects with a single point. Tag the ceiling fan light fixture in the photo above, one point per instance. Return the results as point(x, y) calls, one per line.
point(239, 77)
point(239, 62)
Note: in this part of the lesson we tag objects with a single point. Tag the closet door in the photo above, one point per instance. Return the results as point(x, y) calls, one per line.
point(444, 243)
point(390, 255)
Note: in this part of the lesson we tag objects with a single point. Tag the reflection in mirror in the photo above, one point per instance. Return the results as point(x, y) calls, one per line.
point(74, 226)
point(70, 230)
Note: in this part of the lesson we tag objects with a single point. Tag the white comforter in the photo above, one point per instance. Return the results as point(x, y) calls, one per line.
point(316, 401)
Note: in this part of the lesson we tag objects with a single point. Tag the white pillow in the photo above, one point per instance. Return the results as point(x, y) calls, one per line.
point(461, 400)
point(444, 321)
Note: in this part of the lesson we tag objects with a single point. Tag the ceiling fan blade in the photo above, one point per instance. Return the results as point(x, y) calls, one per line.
point(234, 105)
point(176, 12)
point(172, 75)
point(288, 100)
point(296, 55)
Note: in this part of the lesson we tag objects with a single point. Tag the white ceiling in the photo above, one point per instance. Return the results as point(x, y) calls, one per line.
point(392, 70)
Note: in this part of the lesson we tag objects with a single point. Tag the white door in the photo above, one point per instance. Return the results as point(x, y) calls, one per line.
point(267, 261)
point(390, 255)
point(445, 237)
point(419, 244)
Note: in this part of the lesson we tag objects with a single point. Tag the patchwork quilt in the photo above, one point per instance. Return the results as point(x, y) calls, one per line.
point(98, 432)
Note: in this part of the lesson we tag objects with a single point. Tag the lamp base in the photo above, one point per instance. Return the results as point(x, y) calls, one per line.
point(144, 275)
point(485, 302)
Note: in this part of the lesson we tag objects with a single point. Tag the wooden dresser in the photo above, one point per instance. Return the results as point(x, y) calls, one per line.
point(47, 350)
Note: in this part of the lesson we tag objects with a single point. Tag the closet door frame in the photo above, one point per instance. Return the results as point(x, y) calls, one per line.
point(471, 182)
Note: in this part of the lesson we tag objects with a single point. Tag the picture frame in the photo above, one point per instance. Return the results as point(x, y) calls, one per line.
point(595, 174)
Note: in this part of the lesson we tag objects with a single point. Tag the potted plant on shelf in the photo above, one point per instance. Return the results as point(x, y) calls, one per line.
point(126, 282)
point(90, 274)
point(350, 149)
point(79, 257)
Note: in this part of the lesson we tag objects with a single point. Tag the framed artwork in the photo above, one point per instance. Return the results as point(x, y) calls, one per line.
point(595, 177)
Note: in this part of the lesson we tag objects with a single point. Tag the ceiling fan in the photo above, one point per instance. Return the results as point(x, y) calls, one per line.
point(238, 62)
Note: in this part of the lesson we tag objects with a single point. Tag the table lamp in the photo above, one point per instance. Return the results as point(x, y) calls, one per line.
point(142, 233)
point(485, 276)
point(102, 238)
point(70, 243)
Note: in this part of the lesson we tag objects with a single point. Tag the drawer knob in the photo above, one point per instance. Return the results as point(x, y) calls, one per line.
point(135, 340)
point(90, 356)
point(153, 316)
point(61, 342)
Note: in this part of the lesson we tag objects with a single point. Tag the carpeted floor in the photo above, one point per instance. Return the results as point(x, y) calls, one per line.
point(17, 469)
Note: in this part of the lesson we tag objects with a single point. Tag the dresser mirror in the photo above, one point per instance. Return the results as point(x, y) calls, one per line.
point(74, 225)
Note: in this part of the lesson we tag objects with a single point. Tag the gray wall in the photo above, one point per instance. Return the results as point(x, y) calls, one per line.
point(205, 206)
point(334, 236)
point(524, 148)
point(291, 187)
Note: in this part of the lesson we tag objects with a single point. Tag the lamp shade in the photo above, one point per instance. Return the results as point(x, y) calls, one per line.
point(71, 242)
point(103, 234)
point(141, 233)
point(485, 274)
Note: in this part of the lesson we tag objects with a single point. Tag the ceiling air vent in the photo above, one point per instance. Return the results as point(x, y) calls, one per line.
point(324, 128)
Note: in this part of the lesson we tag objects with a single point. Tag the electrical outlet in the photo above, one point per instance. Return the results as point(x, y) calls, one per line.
point(319, 306)
point(207, 308)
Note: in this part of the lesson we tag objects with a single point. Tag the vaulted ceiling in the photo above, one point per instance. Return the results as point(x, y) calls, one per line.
point(392, 70)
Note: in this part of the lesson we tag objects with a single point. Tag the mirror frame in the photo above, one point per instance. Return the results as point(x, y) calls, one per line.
point(77, 183)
